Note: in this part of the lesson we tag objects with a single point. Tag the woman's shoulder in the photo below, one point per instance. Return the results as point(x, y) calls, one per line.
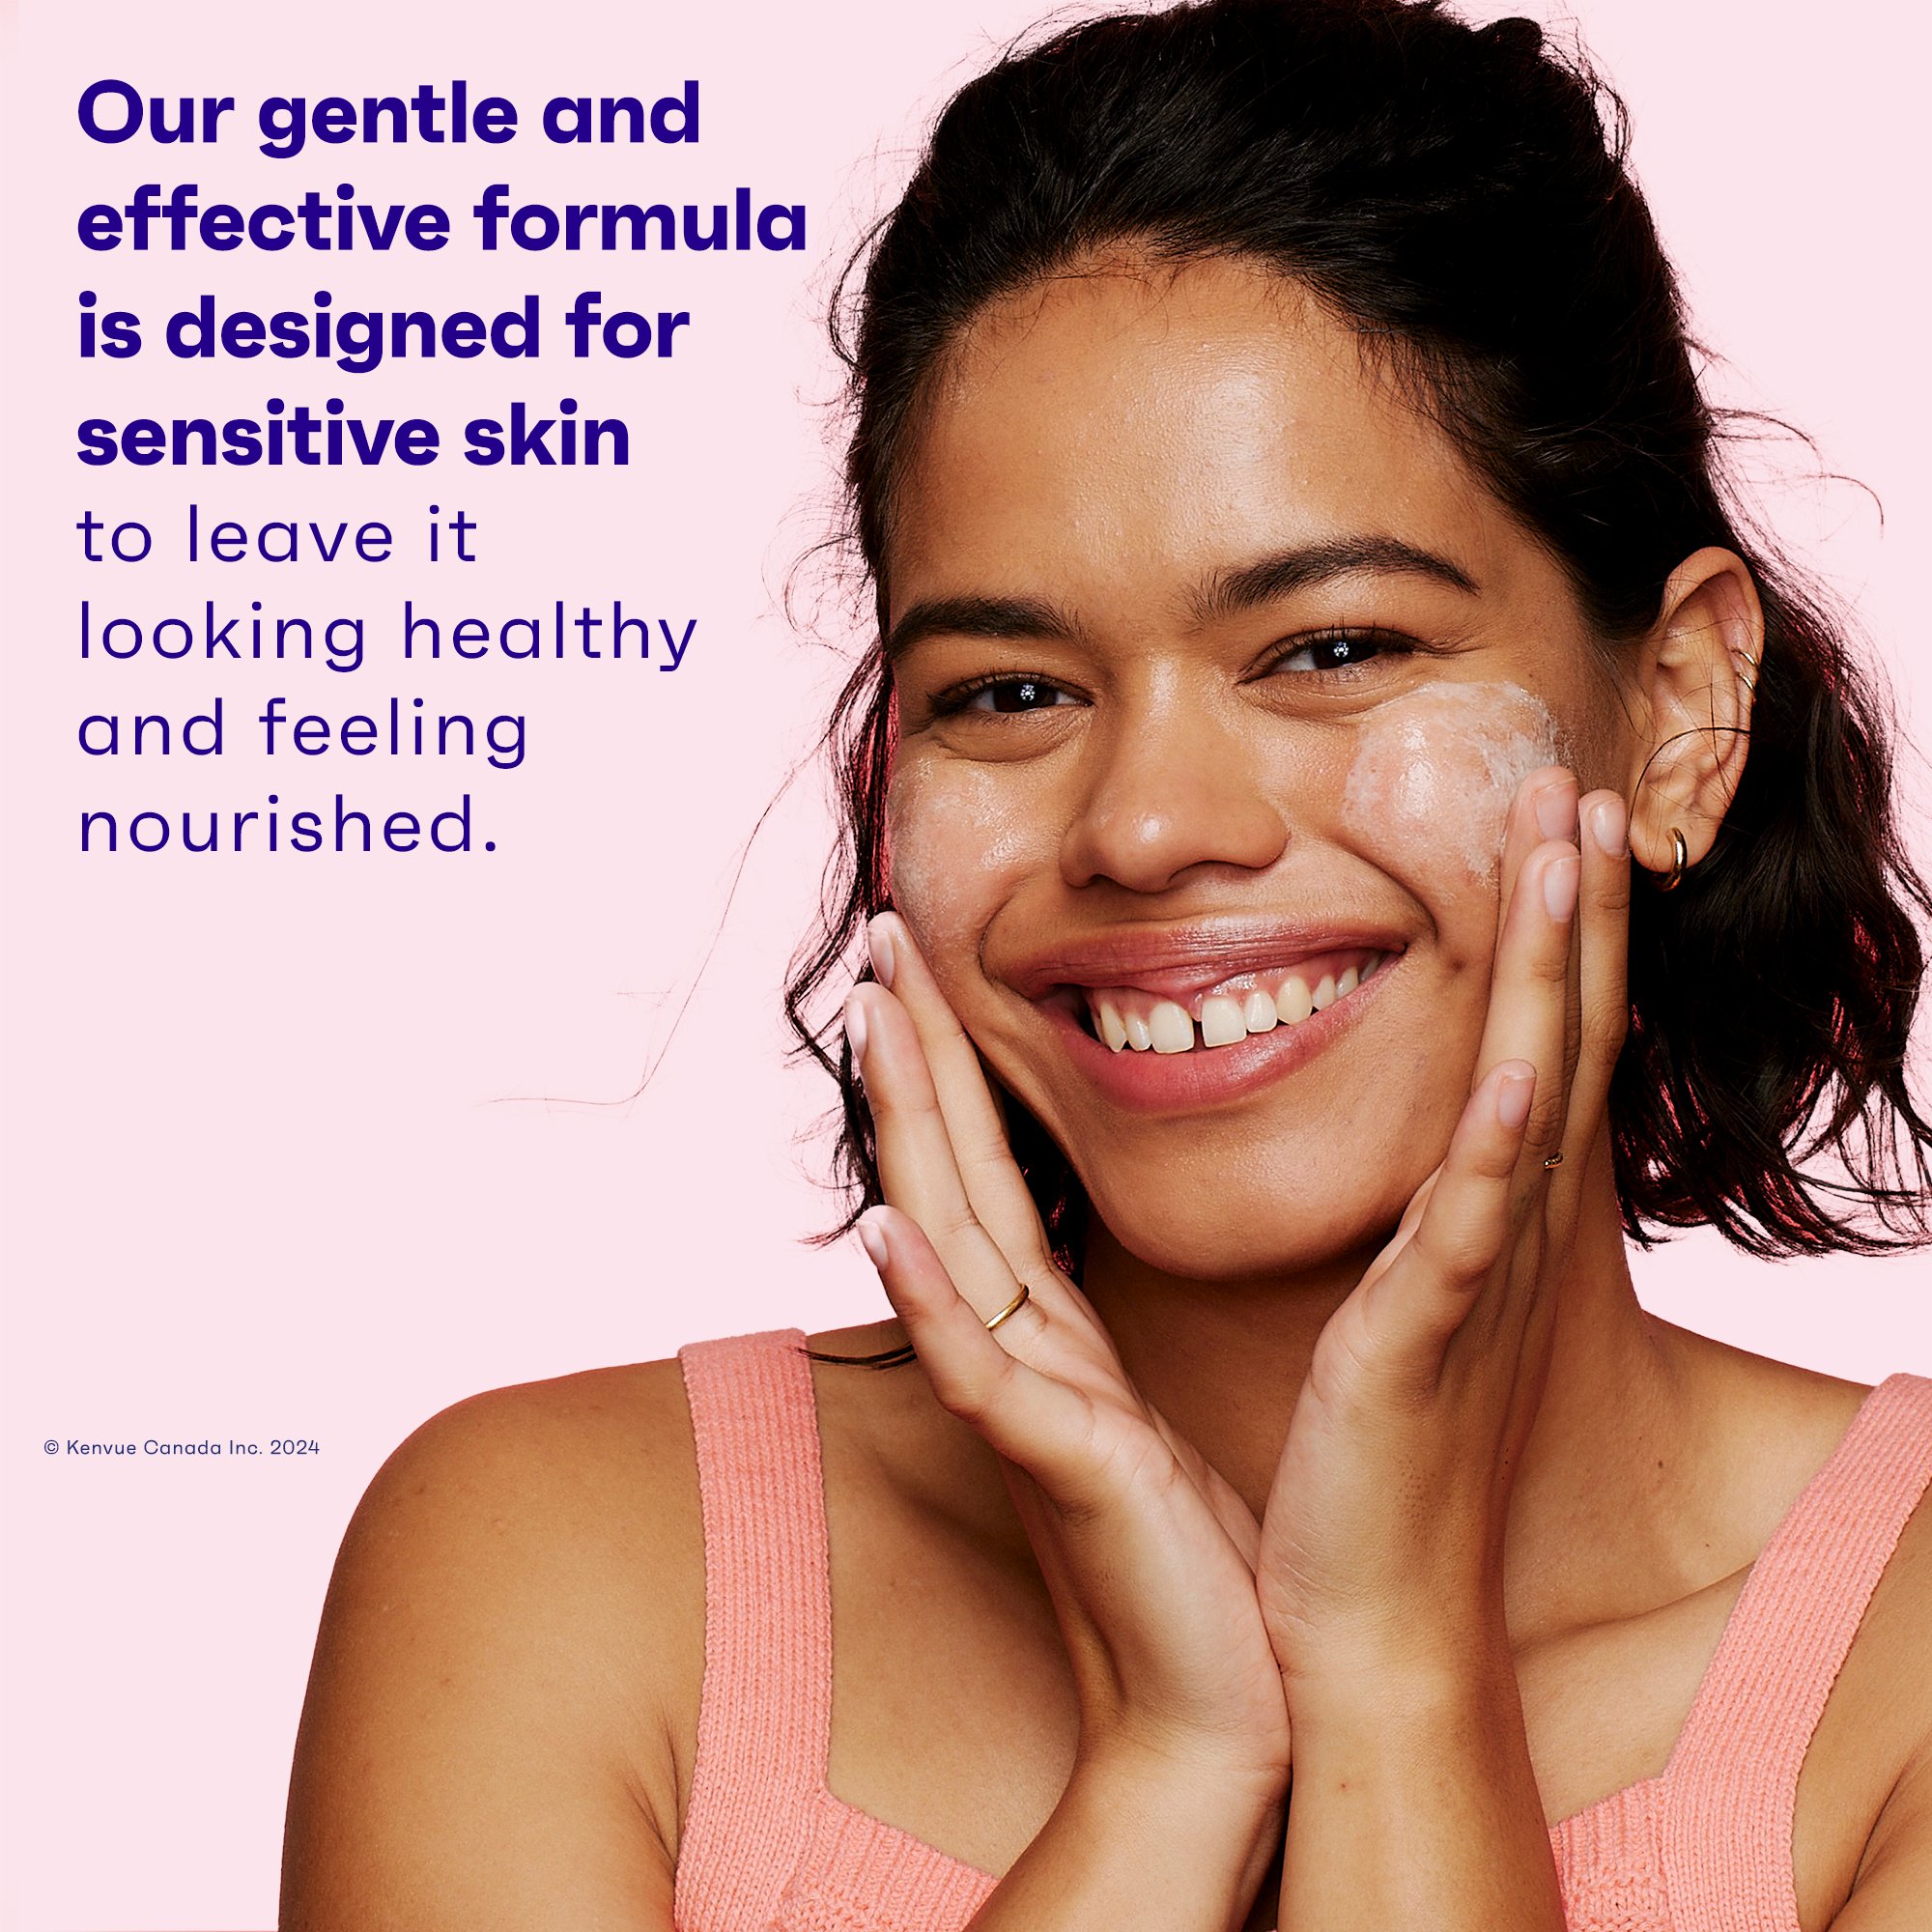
point(1832, 1473)
point(574, 1498)
point(516, 1609)
point(1759, 1430)
point(1870, 1757)
point(564, 1443)
point(586, 1471)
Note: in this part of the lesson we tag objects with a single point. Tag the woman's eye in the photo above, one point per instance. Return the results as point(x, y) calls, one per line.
point(1004, 695)
point(1339, 650)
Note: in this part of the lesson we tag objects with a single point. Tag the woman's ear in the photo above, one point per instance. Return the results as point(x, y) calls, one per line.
point(1693, 680)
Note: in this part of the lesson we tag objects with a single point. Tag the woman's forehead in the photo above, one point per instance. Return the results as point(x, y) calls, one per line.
point(1125, 432)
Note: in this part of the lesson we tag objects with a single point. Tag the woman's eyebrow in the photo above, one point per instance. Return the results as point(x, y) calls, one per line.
point(1226, 592)
point(976, 617)
point(1286, 571)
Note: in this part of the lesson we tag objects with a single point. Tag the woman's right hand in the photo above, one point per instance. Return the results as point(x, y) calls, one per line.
point(1148, 1551)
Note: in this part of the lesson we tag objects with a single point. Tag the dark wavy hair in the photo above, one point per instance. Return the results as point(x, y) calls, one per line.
point(1461, 197)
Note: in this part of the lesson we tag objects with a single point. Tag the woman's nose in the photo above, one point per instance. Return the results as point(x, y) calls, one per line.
point(1167, 786)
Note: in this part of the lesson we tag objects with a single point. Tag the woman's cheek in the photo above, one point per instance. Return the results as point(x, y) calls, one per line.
point(1433, 771)
point(957, 838)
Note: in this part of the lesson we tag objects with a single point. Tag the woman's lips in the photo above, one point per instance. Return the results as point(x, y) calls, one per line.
point(1180, 961)
point(1206, 1077)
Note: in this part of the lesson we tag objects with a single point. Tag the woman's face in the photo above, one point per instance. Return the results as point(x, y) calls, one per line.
point(1217, 669)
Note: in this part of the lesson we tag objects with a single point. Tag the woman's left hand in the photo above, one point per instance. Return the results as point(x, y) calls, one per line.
point(1382, 1541)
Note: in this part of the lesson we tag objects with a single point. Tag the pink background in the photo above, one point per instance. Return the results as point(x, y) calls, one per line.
point(317, 1145)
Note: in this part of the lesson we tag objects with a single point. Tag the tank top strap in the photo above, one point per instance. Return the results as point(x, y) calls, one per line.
point(765, 1711)
point(1732, 1786)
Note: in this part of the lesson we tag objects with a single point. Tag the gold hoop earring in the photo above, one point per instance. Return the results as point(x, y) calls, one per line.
point(1751, 682)
point(1679, 854)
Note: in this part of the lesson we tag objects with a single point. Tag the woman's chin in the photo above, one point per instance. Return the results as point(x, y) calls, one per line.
point(1247, 1234)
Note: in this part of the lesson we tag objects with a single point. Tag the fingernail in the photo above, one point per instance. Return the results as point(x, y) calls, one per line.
point(855, 1032)
point(879, 944)
point(1608, 824)
point(1557, 812)
point(1559, 885)
point(1513, 1102)
point(872, 1239)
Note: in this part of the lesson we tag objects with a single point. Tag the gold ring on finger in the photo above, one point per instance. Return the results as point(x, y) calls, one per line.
point(1555, 1159)
point(1012, 1307)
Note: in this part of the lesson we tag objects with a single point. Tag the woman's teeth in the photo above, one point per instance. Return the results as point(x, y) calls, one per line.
point(1141, 1023)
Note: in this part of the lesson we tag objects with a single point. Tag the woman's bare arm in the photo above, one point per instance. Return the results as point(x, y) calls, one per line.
point(476, 1748)
point(1895, 1889)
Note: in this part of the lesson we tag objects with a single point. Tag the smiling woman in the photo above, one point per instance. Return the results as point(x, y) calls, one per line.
point(1306, 591)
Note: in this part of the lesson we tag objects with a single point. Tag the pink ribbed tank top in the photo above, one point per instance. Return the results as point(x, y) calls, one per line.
point(767, 1847)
